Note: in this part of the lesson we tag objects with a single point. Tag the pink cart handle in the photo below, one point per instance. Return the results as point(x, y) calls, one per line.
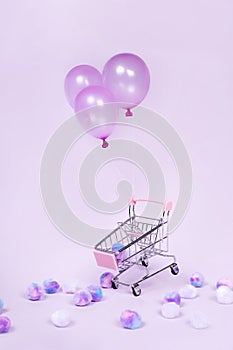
point(167, 205)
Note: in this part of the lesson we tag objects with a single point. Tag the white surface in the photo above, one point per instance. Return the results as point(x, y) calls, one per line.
point(189, 49)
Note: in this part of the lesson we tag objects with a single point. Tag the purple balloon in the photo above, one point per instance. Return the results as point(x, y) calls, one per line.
point(127, 76)
point(96, 111)
point(79, 78)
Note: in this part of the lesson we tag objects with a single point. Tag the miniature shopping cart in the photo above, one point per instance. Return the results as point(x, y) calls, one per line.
point(133, 243)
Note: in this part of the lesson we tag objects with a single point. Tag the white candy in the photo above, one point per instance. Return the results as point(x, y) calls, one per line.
point(70, 287)
point(224, 295)
point(198, 320)
point(61, 318)
point(188, 292)
point(170, 310)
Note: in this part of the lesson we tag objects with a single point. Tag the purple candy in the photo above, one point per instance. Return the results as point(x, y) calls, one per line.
point(106, 280)
point(130, 319)
point(34, 292)
point(96, 292)
point(224, 282)
point(172, 297)
point(51, 286)
point(197, 280)
point(5, 324)
point(119, 255)
point(82, 297)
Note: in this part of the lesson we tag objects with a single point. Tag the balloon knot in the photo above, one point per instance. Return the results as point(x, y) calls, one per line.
point(128, 113)
point(105, 144)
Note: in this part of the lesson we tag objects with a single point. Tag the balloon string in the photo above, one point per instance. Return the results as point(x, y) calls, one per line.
point(128, 113)
point(105, 144)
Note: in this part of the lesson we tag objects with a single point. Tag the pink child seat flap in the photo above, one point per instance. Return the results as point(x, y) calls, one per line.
point(106, 259)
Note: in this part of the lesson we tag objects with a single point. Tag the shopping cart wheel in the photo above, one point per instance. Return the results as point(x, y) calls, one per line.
point(136, 290)
point(115, 284)
point(145, 261)
point(174, 269)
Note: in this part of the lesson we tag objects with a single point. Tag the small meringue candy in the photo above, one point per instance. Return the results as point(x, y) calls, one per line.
point(96, 292)
point(224, 282)
point(170, 310)
point(188, 292)
point(119, 255)
point(130, 319)
point(199, 320)
point(69, 287)
point(51, 286)
point(61, 318)
point(5, 324)
point(82, 297)
point(224, 295)
point(34, 292)
point(197, 280)
point(106, 280)
point(172, 297)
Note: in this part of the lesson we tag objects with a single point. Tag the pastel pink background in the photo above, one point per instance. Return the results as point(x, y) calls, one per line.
point(189, 49)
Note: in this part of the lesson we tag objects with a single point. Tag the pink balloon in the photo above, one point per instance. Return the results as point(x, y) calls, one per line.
point(127, 76)
point(96, 111)
point(79, 78)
